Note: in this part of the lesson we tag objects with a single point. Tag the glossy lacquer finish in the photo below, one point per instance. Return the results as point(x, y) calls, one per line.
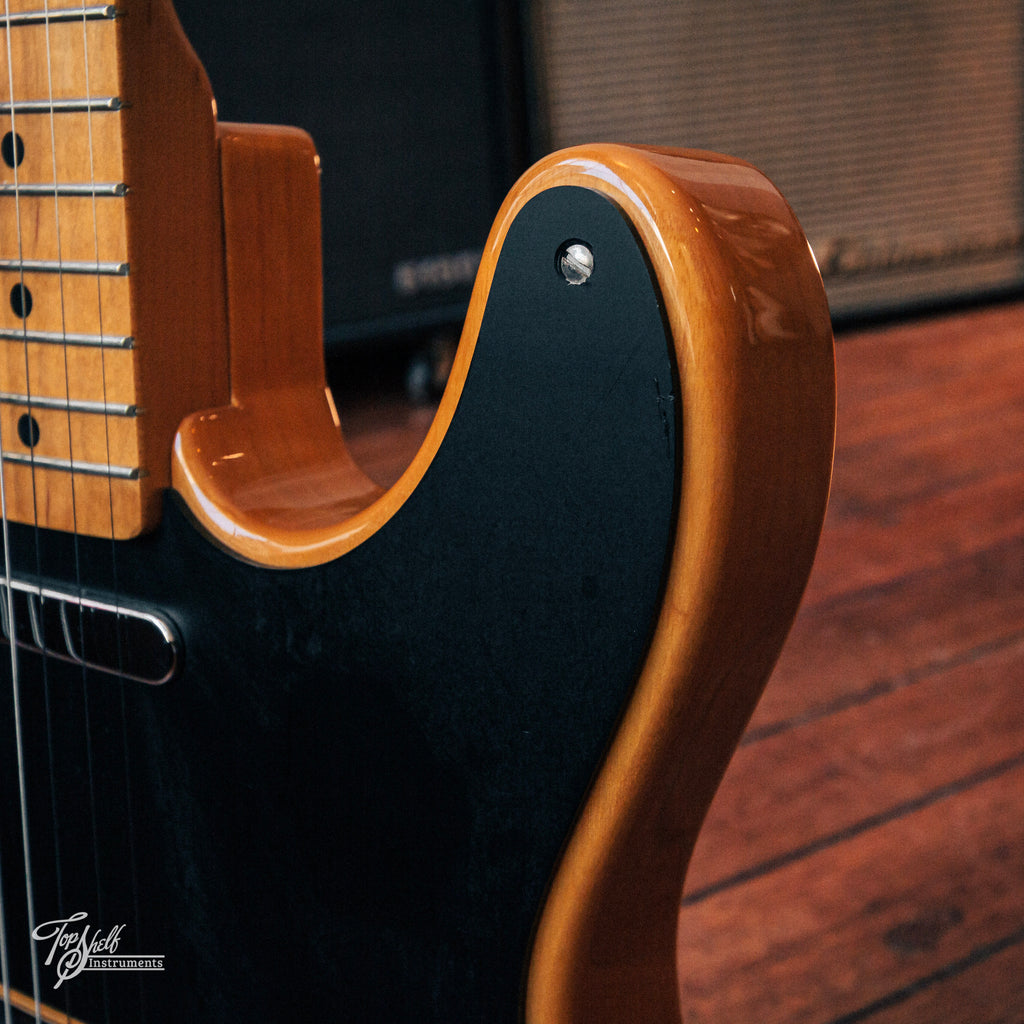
point(270, 477)
point(753, 347)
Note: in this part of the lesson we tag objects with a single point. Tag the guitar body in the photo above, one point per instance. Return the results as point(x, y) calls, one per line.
point(298, 746)
point(354, 793)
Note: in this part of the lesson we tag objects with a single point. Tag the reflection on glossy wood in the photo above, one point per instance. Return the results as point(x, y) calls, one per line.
point(310, 532)
point(271, 468)
point(753, 345)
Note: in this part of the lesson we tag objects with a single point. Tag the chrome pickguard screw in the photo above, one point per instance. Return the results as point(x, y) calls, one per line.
point(575, 262)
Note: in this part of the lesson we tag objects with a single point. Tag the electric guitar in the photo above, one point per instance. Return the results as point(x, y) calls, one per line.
point(277, 744)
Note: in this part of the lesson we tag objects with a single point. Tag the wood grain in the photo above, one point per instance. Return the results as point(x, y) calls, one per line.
point(63, 60)
point(162, 144)
point(64, 141)
point(270, 472)
point(67, 229)
point(70, 303)
point(68, 371)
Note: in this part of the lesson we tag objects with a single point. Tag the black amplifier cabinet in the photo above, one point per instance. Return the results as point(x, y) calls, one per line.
point(417, 109)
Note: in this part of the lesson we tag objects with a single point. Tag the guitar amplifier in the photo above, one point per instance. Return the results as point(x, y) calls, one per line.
point(893, 128)
point(417, 111)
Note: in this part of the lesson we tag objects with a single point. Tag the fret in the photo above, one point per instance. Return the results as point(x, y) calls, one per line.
point(95, 13)
point(106, 189)
point(73, 466)
point(107, 269)
point(79, 434)
point(122, 341)
point(62, 106)
point(69, 405)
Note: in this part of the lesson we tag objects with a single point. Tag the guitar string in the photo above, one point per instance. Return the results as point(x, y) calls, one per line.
point(62, 303)
point(116, 589)
point(8, 566)
point(9, 596)
point(85, 689)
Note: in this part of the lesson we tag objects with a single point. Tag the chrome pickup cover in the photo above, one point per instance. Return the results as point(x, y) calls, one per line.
point(125, 642)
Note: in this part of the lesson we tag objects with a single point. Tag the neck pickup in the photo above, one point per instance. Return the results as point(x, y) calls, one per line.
point(103, 636)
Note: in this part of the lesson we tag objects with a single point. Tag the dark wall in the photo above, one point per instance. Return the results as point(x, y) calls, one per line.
point(417, 110)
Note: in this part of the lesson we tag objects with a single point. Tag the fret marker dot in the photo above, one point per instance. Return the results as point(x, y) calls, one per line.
point(13, 149)
point(28, 431)
point(21, 301)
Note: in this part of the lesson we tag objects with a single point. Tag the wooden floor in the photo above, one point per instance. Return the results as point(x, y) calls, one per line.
point(864, 858)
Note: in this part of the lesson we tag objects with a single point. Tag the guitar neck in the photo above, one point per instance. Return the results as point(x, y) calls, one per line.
point(109, 167)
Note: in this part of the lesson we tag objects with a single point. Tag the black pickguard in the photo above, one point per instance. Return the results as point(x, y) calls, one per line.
point(350, 802)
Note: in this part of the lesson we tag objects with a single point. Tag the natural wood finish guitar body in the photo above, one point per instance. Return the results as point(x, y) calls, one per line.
point(219, 230)
point(753, 347)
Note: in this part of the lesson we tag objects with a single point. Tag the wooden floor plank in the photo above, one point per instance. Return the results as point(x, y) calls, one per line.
point(884, 637)
point(932, 347)
point(985, 988)
point(859, 551)
point(834, 933)
point(836, 777)
point(963, 447)
point(928, 460)
point(902, 380)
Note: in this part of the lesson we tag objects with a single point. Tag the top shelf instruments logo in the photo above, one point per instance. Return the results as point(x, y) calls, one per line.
point(72, 946)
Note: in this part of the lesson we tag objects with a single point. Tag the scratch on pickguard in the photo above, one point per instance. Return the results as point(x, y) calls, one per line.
point(666, 410)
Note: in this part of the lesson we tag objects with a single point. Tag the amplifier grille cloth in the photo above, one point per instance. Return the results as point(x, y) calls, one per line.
point(894, 129)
